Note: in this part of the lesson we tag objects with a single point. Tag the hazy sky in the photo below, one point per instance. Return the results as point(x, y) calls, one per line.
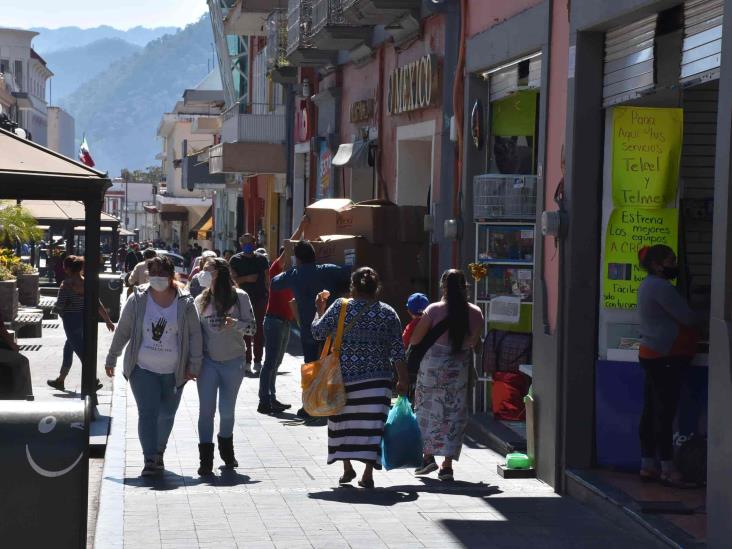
point(121, 14)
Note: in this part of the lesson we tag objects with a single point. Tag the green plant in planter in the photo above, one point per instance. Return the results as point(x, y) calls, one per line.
point(23, 269)
point(8, 259)
point(17, 224)
point(5, 274)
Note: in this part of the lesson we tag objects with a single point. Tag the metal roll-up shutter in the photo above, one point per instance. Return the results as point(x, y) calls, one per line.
point(702, 49)
point(515, 76)
point(629, 61)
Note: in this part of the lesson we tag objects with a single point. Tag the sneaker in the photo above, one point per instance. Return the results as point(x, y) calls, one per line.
point(265, 409)
point(445, 474)
point(56, 384)
point(150, 468)
point(428, 466)
point(159, 463)
point(257, 368)
point(277, 405)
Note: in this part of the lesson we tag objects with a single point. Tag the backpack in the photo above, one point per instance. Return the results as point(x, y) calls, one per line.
point(505, 351)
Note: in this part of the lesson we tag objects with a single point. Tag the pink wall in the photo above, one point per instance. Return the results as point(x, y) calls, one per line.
point(484, 13)
point(558, 73)
point(362, 82)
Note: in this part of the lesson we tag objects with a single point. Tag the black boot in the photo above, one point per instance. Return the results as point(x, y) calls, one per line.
point(226, 451)
point(206, 453)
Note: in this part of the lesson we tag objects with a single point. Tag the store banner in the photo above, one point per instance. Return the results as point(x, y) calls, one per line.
point(325, 158)
point(515, 115)
point(646, 147)
point(629, 230)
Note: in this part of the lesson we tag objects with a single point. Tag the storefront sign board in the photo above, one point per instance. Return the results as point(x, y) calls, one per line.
point(646, 156)
point(362, 111)
point(629, 230)
point(515, 114)
point(325, 158)
point(414, 86)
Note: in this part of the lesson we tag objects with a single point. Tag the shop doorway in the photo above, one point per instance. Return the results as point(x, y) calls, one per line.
point(415, 164)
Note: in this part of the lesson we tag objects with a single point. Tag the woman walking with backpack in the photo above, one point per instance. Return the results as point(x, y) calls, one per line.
point(371, 349)
point(226, 317)
point(441, 398)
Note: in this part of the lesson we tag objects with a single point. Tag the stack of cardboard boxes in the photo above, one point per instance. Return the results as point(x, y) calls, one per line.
point(389, 238)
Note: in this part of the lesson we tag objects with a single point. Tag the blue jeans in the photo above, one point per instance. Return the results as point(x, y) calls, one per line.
point(74, 329)
point(276, 338)
point(157, 400)
point(225, 379)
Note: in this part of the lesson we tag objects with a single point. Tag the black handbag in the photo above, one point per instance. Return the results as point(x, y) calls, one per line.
point(416, 353)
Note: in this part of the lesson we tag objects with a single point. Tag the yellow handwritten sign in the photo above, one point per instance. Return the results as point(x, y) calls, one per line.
point(629, 230)
point(646, 156)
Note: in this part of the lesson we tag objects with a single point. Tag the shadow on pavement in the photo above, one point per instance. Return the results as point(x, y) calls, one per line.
point(170, 481)
point(392, 495)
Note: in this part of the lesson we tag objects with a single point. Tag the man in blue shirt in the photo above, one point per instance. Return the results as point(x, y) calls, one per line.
point(306, 280)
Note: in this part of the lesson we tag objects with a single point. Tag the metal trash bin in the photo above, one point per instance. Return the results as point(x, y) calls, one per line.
point(110, 293)
point(45, 460)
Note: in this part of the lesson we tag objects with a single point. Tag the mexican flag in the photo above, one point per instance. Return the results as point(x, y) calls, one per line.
point(84, 154)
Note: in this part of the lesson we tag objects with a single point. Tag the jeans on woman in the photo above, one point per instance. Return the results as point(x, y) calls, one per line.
point(276, 338)
point(157, 400)
point(225, 379)
point(661, 395)
point(74, 329)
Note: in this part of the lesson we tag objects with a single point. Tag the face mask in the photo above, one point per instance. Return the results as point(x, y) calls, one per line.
point(205, 279)
point(248, 248)
point(670, 273)
point(159, 283)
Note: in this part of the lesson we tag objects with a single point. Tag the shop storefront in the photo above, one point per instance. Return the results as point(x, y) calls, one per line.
point(647, 156)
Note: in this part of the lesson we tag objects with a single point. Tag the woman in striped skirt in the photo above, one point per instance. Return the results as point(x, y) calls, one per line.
point(372, 348)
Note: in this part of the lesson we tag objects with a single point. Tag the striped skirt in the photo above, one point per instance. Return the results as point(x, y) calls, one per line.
point(356, 432)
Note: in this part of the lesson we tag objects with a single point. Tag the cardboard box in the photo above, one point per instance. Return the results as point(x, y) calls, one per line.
point(411, 224)
point(377, 223)
point(323, 216)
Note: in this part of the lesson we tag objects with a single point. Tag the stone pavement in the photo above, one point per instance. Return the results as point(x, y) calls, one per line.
point(284, 495)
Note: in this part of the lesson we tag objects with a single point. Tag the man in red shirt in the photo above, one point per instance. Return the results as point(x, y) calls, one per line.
point(277, 323)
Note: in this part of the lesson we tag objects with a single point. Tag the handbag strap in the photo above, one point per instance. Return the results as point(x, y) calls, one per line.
point(341, 325)
point(435, 333)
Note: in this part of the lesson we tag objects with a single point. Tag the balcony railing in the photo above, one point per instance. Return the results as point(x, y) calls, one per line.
point(301, 49)
point(377, 12)
point(277, 40)
point(259, 125)
point(332, 31)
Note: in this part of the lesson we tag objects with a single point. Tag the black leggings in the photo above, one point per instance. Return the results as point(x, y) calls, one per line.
point(660, 402)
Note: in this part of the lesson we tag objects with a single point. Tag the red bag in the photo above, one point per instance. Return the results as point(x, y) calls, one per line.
point(507, 395)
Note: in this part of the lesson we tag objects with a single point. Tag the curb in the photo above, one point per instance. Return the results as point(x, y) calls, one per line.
point(110, 517)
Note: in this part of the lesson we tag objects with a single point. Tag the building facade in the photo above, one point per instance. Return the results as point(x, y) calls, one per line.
point(30, 74)
point(61, 132)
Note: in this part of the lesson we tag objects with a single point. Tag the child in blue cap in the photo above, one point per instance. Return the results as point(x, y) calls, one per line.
point(416, 304)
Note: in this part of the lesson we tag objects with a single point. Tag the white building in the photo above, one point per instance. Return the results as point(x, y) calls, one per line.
point(61, 132)
point(127, 202)
point(184, 206)
point(30, 75)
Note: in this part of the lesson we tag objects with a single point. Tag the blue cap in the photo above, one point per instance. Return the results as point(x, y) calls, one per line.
point(417, 303)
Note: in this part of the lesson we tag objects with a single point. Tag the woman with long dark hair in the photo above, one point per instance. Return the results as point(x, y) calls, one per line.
point(370, 352)
point(441, 397)
point(70, 307)
point(226, 317)
point(668, 343)
point(160, 329)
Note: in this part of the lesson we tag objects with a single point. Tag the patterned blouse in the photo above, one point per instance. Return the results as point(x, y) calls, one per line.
point(371, 346)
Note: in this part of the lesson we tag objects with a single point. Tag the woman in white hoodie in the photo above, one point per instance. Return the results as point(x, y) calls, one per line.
point(226, 317)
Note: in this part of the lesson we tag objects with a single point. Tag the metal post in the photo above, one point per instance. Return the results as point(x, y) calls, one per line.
point(93, 213)
point(290, 145)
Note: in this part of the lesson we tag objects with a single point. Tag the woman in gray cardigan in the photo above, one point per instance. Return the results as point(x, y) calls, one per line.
point(160, 328)
point(226, 317)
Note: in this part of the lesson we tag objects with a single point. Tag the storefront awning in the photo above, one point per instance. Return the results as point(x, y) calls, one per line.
point(204, 230)
point(353, 155)
point(149, 208)
point(125, 232)
point(205, 218)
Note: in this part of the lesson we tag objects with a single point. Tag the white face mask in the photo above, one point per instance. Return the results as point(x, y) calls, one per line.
point(205, 279)
point(159, 283)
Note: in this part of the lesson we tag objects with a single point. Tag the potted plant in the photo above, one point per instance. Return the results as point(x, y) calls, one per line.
point(27, 282)
point(8, 291)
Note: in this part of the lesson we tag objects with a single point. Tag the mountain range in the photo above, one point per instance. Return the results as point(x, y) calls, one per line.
point(50, 40)
point(75, 66)
point(120, 104)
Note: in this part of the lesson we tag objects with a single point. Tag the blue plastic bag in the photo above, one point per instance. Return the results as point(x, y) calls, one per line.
point(402, 442)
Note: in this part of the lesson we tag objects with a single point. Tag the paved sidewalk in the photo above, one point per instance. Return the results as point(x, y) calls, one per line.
point(284, 495)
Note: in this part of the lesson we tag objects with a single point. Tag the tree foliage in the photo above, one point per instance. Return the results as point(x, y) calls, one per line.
point(17, 224)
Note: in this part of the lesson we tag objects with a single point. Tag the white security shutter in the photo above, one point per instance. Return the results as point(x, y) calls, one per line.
point(505, 81)
point(702, 49)
point(629, 61)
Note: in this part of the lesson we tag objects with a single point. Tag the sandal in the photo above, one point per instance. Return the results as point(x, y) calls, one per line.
point(366, 483)
point(649, 475)
point(347, 477)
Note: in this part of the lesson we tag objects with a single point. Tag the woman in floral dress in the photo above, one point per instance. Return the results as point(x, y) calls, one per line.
point(441, 398)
